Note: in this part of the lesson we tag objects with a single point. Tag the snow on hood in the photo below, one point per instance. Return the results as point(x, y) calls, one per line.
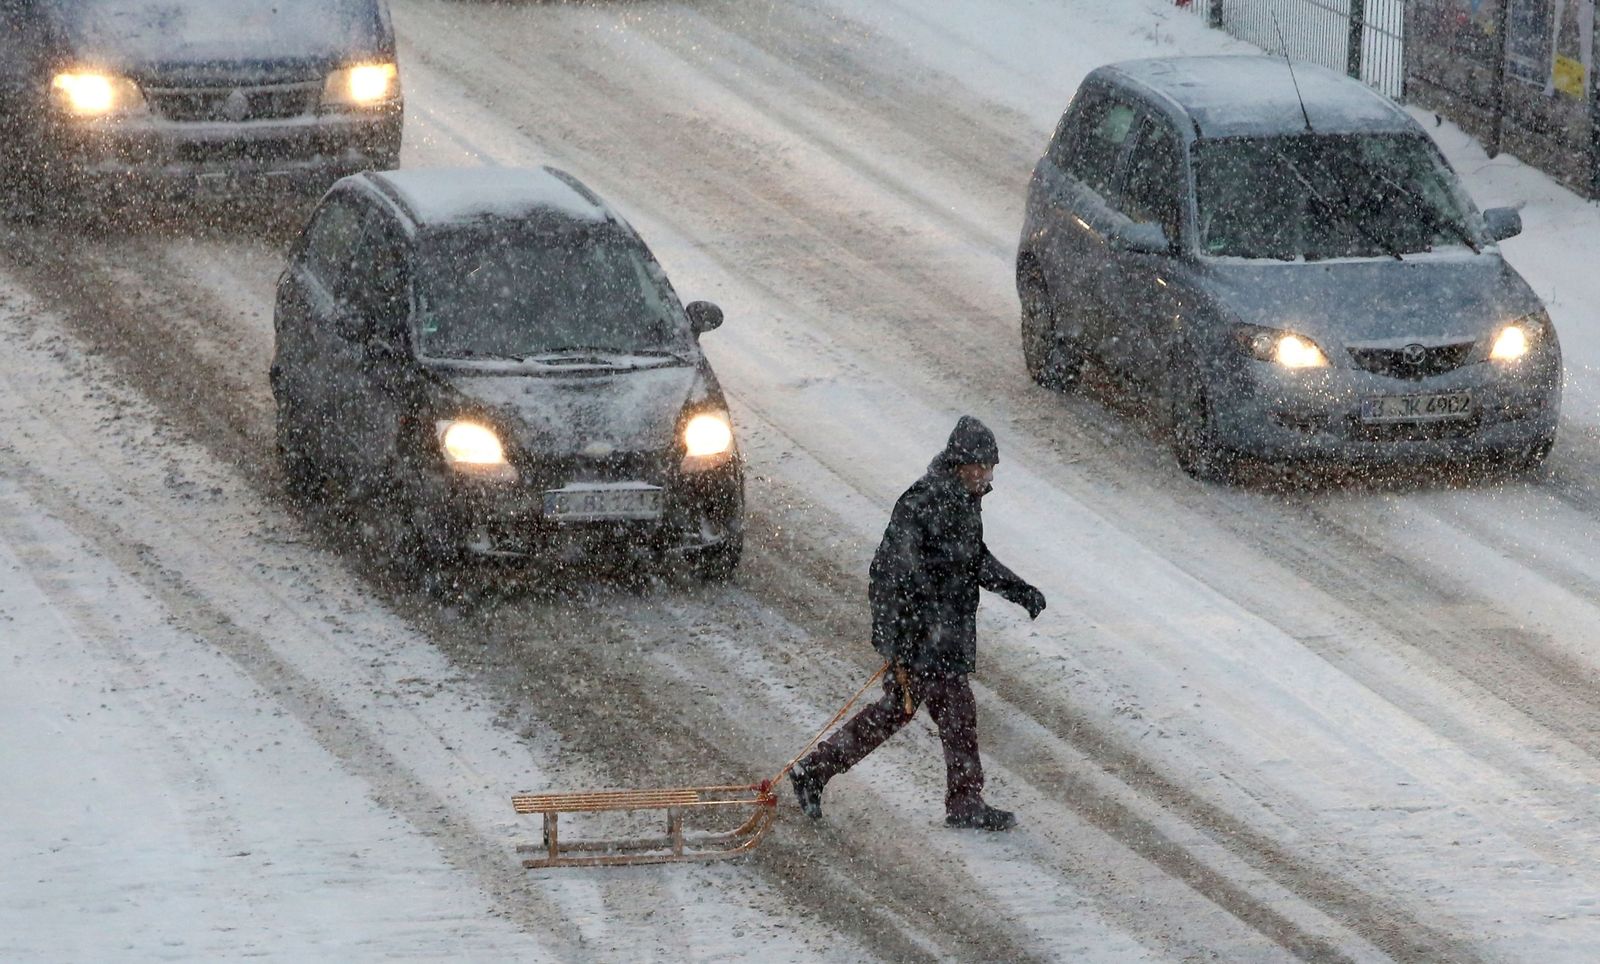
point(560, 415)
point(1427, 298)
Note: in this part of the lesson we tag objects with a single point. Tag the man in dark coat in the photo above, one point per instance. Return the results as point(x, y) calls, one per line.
point(923, 589)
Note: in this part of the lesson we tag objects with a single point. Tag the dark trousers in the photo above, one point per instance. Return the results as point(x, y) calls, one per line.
point(949, 701)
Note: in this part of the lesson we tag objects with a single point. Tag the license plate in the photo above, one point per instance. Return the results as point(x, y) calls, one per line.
point(1416, 408)
point(602, 503)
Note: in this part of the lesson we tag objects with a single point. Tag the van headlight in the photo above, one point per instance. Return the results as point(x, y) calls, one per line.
point(707, 441)
point(472, 448)
point(90, 93)
point(364, 85)
point(1285, 348)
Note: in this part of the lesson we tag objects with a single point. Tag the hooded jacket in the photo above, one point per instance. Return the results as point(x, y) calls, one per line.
point(931, 563)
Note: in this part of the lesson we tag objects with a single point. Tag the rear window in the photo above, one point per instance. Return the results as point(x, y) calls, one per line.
point(202, 31)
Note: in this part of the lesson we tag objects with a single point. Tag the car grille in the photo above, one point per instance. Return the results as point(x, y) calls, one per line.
point(233, 104)
point(1413, 361)
point(1444, 428)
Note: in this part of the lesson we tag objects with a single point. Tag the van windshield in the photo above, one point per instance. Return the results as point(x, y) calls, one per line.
point(521, 290)
point(211, 31)
point(1318, 196)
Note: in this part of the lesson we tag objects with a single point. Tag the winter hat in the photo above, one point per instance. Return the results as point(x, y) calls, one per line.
point(971, 443)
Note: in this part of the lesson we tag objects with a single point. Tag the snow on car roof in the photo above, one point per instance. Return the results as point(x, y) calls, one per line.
point(1230, 96)
point(441, 196)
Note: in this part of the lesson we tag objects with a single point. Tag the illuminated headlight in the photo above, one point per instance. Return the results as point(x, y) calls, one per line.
point(1516, 339)
point(361, 86)
point(707, 441)
point(1283, 347)
point(93, 94)
point(474, 449)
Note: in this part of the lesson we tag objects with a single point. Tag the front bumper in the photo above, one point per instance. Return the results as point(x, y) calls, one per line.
point(219, 159)
point(1316, 414)
point(702, 512)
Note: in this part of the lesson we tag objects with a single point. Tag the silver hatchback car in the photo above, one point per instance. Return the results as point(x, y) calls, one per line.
point(1287, 265)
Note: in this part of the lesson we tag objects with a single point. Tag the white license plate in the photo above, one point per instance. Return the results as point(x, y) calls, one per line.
point(601, 503)
point(1416, 408)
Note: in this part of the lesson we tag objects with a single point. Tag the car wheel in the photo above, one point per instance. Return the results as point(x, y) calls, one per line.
point(302, 480)
point(1530, 460)
point(717, 564)
point(1194, 441)
point(1052, 361)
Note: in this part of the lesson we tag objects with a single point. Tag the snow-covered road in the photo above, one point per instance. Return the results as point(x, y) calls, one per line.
point(1343, 723)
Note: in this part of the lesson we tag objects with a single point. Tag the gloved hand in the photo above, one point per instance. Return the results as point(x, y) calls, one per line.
point(1032, 600)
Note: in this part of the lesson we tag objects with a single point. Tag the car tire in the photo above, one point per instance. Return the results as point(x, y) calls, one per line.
point(303, 482)
point(718, 563)
point(1194, 442)
point(1530, 461)
point(1052, 362)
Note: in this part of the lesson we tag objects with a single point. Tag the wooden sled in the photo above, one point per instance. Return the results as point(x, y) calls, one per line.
point(757, 803)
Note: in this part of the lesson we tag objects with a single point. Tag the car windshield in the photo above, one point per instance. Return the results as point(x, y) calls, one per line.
point(201, 31)
point(1327, 196)
point(522, 290)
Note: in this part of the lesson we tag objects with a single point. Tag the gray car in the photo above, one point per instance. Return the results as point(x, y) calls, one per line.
point(1289, 277)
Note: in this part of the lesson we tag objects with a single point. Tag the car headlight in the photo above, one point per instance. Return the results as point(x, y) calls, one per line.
point(1282, 347)
point(707, 441)
point(90, 93)
point(363, 85)
point(1517, 339)
point(473, 448)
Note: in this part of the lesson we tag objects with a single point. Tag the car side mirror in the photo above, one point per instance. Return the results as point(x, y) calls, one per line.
point(1142, 239)
point(703, 316)
point(1502, 223)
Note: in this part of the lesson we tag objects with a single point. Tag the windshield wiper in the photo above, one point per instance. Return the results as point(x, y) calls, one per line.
point(473, 353)
point(1343, 211)
point(1417, 203)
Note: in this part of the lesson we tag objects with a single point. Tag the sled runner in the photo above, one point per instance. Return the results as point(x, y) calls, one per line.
point(756, 803)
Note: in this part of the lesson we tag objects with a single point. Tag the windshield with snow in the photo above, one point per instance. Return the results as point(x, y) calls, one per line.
point(1319, 196)
point(202, 31)
point(524, 291)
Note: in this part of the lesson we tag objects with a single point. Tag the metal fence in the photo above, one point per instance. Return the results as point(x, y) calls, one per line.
point(1362, 38)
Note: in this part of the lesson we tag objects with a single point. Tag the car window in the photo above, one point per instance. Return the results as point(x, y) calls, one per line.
point(1328, 196)
point(146, 31)
point(519, 289)
point(1096, 142)
point(1153, 182)
point(378, 284)
point(330, 242)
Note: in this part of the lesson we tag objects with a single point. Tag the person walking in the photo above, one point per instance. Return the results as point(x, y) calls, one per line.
point(923, 589)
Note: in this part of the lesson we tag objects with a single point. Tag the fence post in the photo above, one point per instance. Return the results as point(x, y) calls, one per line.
point(1594, 115)
point(1502, 24)
point(1214, 15)
point(1358, 27)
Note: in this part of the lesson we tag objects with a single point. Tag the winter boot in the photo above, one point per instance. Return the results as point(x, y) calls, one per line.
point(807, 790)
point(982, 817)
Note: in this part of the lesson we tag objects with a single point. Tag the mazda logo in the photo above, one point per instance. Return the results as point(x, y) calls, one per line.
point(1414, 354)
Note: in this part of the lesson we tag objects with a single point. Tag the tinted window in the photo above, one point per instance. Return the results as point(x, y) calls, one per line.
point(519, 290)
point(1153, 186)
point(1091, 157)
point(1327, 196)
point(330, 242)
point(208, 30)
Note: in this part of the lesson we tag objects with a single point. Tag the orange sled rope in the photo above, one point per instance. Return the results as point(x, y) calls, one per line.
point(757, 801)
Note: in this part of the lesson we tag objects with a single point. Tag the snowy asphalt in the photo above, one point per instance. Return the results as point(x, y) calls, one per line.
point(1349, 721)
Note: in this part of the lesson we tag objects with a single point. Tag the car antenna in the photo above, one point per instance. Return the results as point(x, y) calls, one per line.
point(1290, 64)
